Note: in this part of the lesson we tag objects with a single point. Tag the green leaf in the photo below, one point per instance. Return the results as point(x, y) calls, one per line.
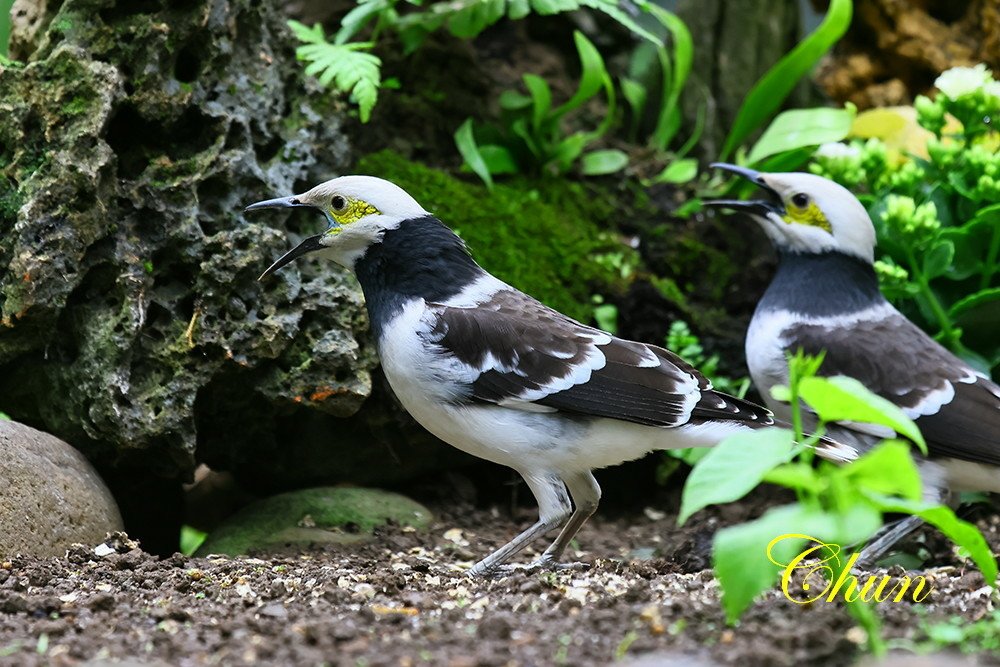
point(635, 94)
point(986, 297)
point(962, 533)
point(844, 399)
point(674, 78)
point(678, 171)
point(938, 259)
point(591, 78)
point(345, 66)
point(511, 100)
point(740, 556)
point(598, 163)
point(475, 17)
point(887, 469)
point(541, 99)
point(465, 141)
point(770, 91)
point(799, 128)
point(795, 475)
point(733, 468)
point(357, 18)
point(498, 159)
point(568, 150)
point(610, 8)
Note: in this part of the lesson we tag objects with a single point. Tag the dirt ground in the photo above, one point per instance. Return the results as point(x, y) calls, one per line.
point(403, 599)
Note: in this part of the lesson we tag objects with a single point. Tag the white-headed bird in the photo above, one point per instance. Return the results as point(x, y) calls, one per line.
point(825, 298)
point(499, 375)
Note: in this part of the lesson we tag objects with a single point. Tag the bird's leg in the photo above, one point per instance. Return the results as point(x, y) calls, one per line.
point(935, 490)
point(586, 495)
point(553, 508)
point(884, 540)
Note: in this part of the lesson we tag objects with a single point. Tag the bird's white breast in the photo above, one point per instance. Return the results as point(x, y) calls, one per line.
point(433, 387)
point(768, 342)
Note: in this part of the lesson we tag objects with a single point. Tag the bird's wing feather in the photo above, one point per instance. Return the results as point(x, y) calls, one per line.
point(957, 409)
point(526, 355)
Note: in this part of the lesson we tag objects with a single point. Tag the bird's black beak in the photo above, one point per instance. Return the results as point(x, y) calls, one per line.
point(772, 203)
point(280, 202)
point(308, 245)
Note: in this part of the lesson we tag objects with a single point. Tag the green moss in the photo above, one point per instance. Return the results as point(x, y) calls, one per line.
point(540, 236)
point(309, 516)
point(10, 201)
point(76, 106)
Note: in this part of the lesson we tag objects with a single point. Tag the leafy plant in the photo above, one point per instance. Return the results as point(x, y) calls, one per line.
point(346, 66)
point(982, 636)
point(532, 138)
point(773, 88)
point(465, 18)
point(933, 199)
point(839, 505)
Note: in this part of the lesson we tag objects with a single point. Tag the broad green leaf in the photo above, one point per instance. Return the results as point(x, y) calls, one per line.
point(520, 128)
point(541, 99)
point(357, 18)
point(773, 88)
point(498, 159)
point(962, 533)
point(733, 468)
point(675, 75)
point(568, 150)
point(598, 163)
point(740, 556)
point(678, 171)
point(472, 19)
point(780, 392)
point(795, 476)
point(545, 7)
point(611, 9)
point(844, 399)
point(888, 469)
point(986, 297)
point(511, 100)
point(799, 128)
point(592, 76)
point(466, 144)
point(938, 259)
point(518, 9)
point(635, 94)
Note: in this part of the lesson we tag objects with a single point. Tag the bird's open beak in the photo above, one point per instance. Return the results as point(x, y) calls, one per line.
point(280, 202)
point(308, 245)
point(772, 203)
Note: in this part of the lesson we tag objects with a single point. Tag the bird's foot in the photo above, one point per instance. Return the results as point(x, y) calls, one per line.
point(540, 564)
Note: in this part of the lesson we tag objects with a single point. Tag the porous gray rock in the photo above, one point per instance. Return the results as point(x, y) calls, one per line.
point(131, 320)
point(52, 497)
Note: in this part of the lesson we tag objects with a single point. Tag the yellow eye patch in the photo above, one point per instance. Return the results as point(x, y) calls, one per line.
point(810, 215)
point(354, 210)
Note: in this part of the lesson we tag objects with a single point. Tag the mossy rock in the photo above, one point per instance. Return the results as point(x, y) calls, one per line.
point(551, 238)
point(324, 515)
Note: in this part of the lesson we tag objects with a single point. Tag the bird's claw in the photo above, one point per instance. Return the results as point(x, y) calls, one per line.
point(538, 565)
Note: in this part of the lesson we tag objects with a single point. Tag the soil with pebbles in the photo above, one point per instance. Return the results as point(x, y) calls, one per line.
point(403, 599)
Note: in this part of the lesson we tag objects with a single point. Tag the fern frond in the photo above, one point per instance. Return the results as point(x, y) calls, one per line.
point(347, 67)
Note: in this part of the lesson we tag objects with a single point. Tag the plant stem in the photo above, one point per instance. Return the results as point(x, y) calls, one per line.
point(947, 330)
point(991, 258)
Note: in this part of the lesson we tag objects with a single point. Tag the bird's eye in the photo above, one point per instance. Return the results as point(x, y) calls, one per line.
point(338, 203)
point(800, 199)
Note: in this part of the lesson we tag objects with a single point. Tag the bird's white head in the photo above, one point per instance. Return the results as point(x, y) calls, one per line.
point(359, 210)
point(806, 213)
